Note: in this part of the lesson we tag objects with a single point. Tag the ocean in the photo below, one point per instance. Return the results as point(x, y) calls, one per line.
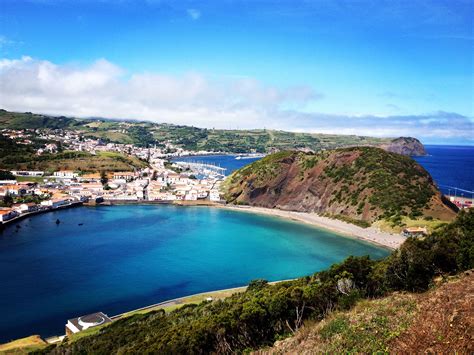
point(452, 168)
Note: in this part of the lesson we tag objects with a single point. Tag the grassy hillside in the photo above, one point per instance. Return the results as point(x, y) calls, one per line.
point(359, 184)
point(23, 346)
point(265, 313)
point(193, 138)
point(14, 156)
point(242, 141)
point(29, 120)
point(439, 320)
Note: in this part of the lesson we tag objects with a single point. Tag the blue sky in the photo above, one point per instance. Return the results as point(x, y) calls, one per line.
point(381, 68)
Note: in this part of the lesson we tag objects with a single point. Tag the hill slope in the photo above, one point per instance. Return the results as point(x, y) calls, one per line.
point(361, 183)
point(14, 156)
point(439, 321)
point(195, 139)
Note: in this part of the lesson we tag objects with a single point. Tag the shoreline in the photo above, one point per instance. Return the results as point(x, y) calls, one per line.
point(34, 213)
point(171, 304)
point(371, 234)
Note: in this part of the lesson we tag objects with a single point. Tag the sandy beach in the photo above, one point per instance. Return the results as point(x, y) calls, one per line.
point(371, 234)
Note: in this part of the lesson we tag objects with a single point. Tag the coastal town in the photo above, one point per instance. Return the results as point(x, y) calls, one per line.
point(33, 191)
point(162, 180)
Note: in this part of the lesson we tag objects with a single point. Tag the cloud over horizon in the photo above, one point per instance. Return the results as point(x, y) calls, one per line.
point(103, 89)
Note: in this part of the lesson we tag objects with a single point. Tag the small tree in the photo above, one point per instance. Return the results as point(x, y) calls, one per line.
point(6, 175)
point(103, 177)
point(7, 201)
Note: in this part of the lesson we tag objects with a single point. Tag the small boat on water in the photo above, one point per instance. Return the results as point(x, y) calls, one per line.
point(250, 156)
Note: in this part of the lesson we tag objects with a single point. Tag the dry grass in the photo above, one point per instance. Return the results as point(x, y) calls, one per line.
point(23, 346)
point(438, 321)
point(387, 226)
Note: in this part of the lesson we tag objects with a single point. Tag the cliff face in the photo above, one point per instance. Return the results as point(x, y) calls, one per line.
point(406, 146)
point(362, 183)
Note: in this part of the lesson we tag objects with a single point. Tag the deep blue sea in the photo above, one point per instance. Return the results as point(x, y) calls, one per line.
point(126, 257)
point(451, 167)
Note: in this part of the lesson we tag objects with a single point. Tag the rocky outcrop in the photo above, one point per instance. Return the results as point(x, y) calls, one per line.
point(405, 146)
point(361, 183)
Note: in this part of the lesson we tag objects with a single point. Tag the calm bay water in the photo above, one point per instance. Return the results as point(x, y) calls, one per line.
point(125, 257)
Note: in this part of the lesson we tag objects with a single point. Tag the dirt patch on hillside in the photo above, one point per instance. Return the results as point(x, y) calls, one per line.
point(445, 322)
point(437, 322)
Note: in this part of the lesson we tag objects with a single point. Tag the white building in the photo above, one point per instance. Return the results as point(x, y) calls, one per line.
point(65, 174)
point(214, 195)
point(27, 173)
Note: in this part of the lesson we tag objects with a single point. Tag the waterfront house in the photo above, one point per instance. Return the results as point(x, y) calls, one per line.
point(6, 215)
point(28, 207)
point(76, 325)
point(25, 207)
point(55, 202)
point(415, 232)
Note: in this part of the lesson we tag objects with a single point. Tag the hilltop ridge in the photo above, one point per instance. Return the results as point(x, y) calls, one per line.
point(143, 133)
point(360, 184)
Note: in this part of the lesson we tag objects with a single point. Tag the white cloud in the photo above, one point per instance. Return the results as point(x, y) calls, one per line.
point(103, 89)
point(194, 13)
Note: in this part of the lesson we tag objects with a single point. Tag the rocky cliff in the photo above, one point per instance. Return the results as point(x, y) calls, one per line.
point(360, 183)
point(406, 146)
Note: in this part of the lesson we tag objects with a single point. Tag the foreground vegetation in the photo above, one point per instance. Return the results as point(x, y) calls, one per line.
point(438, 321)
point(265, 313)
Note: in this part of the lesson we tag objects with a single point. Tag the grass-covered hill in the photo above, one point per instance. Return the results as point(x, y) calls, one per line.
point(195, 139)
point(267, 313)
point(30, 120)
point(14, 156)
point(359, 184)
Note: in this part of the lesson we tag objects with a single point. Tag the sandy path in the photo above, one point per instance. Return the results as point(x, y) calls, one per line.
point(371, 234)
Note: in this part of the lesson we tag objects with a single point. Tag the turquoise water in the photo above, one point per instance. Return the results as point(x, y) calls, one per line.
point(125, 257)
